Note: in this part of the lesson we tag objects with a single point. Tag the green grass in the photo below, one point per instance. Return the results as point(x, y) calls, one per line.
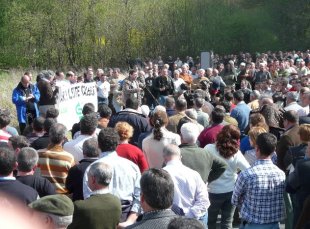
point(8, 81)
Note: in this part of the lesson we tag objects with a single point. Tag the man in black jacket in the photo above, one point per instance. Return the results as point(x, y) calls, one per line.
point(133, 117)
point(74, 182)
point(163, 86)
point(27, 163)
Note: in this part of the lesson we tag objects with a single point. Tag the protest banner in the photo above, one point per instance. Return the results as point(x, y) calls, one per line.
point(71, 100)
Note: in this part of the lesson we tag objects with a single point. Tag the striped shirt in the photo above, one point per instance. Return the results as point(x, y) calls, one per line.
point(259, 190)
point(54, 164)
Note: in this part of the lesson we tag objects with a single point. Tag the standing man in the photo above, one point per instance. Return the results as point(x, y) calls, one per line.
point(289, 138)
point(88, 126)
point(115, 97)
point(259, 189)
point(25, 97)
point(208, 166)
point(27, 160)
point(261, 75)
point(8, 184)
point(103, 87)
point(74, 181)
point(48, 92)
point(157, 190)
point(185, 75)
point(163, 85)
point(101, 209)
point(54, 162)
point(125, 176)
point(190, 192)
point(131, 87)
point(241, 112)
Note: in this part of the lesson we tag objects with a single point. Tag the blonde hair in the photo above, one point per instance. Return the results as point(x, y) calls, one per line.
point(124, 130)
point(304, 132)
point(254, 132)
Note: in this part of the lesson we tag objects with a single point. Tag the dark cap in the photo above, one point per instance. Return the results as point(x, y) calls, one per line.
point(60, 205)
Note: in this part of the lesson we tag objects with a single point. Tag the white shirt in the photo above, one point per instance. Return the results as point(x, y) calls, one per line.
point(103, 89)
point(125, 182)
point(97, 131)
point(190, 192)
point(226, 182)
point(62, 83)
point(75, 147)
point(294, 106)
point(153, 149)
point(177, 84)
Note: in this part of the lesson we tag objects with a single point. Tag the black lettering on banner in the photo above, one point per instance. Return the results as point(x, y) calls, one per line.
point(76, 91)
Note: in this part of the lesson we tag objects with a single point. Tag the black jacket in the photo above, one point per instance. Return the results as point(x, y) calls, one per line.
point(136, 120)
point(74, 182)
point(19, 191)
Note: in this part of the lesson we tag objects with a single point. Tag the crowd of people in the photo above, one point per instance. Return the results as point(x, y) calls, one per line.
point(171, 145)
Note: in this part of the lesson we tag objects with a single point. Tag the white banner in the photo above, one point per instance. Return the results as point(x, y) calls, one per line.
point(71, 100)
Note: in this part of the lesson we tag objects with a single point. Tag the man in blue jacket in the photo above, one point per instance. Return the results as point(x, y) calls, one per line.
point(241, 112)
point(25, 96)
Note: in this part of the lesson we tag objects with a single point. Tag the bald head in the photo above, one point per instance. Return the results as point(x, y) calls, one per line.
point(215, 72)
point(25, 80)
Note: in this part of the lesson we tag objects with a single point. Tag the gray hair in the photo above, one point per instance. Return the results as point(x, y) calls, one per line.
point(292, 95)
point(185, 65)
point(189, 132)
point(202, 70)
point(27, 159)
point(255, 94)
point(90, 148)
point(57, 133)
point(199, 102)
point(171, 150)
point(102, 173)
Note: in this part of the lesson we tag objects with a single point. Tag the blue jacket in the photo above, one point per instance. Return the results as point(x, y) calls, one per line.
point(17, 99)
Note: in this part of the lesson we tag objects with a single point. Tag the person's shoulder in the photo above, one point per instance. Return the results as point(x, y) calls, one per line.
point(303, 164)
point(125, 163)
point(25, 189)
point(134, 148)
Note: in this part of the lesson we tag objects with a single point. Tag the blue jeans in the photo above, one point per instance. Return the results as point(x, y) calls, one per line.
point(204, 220)
point(221, 202)
point(260, 226)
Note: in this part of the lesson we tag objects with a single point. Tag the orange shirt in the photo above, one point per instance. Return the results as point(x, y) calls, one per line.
point(187, 78)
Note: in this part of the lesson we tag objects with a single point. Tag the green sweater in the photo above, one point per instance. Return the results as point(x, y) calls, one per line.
point(101, 211)
point(207, 165)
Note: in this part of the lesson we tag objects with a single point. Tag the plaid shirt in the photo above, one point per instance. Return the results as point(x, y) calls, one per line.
point(259, 190)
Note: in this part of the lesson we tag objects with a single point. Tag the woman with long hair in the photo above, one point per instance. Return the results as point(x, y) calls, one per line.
point(221, 189)
point(154, 144)
point(127, 150)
